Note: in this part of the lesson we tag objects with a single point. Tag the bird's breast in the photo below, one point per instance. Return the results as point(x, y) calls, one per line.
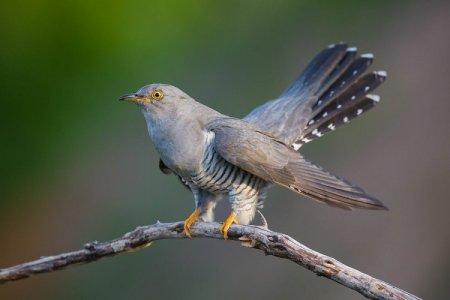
point(180, 144)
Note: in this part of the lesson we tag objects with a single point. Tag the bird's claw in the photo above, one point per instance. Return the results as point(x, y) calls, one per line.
point(231, 219)
point(193, 217)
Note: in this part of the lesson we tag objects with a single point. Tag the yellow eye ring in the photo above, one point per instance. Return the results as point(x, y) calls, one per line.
point(157, 95)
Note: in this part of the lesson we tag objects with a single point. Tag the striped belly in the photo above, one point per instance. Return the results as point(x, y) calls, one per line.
point(216, 175)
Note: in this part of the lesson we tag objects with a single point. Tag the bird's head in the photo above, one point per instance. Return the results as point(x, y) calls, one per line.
point(157, 97)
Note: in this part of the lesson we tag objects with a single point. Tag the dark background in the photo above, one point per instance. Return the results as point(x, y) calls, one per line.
point(76, 165)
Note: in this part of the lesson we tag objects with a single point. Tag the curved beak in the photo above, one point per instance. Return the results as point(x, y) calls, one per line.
point(128, 97)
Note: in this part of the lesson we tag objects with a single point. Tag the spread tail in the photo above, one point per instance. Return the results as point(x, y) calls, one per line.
point(345, 95)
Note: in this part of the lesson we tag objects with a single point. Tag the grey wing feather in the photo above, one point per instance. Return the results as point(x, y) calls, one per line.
point(262, 155)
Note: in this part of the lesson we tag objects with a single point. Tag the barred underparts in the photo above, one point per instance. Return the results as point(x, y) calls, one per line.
point(217, 176)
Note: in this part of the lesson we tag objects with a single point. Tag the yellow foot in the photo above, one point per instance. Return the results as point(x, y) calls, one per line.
point(231, 219)
point(190, 221)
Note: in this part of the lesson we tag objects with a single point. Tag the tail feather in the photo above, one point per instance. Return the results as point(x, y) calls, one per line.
point(340, 118)
point(351, 103)
point(350, 96)
point(287, 115)
point(338, 72)
point(342, 83)
point(334, 76)
point(317, 72)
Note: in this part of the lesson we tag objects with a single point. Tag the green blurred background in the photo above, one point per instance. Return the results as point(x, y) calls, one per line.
point(76, 165)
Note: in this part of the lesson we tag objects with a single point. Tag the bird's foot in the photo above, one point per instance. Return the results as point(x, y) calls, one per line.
point(190, 221)
point(231, 219)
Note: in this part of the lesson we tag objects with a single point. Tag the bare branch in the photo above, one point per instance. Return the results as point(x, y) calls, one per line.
point(272, 243)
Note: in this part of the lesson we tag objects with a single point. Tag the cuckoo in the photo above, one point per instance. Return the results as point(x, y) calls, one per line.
point(216, 156)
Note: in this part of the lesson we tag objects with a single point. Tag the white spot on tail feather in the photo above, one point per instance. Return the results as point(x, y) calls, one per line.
point(331, 126)
point(375, 98)
point(296, 146)
point(339, 106)
point(355, 72)
point(319, 102)
point(381, 73)
point(346, 120)
point(311, 122)
point(359, 111)
point(352, 49)
point(305, 140)
point(324, 114)
point(353, 97)
point(367, 55)
point(367, 88)
point(316, 133)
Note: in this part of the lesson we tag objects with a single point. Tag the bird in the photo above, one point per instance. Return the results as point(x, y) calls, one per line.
point(217, 156)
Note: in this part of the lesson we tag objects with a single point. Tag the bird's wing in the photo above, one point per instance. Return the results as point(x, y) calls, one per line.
point(163, 168)
point(167, 171)
point(332, 90)
point(260, 154)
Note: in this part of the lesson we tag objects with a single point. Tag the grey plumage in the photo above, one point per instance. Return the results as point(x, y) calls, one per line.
point(215, 155)
point(332, 85)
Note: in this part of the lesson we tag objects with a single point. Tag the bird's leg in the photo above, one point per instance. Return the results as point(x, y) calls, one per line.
point(231, 219)
point(190, 221)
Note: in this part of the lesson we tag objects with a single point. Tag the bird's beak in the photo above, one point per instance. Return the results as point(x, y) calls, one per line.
point(128, 97)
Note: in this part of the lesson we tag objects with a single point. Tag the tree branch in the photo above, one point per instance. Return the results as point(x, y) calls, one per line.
point(272, 243)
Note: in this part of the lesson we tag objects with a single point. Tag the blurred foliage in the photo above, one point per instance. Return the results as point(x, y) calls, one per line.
point(76, 165)
point(63, 63)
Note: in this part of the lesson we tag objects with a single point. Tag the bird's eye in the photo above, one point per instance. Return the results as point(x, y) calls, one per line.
point(157, 95)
